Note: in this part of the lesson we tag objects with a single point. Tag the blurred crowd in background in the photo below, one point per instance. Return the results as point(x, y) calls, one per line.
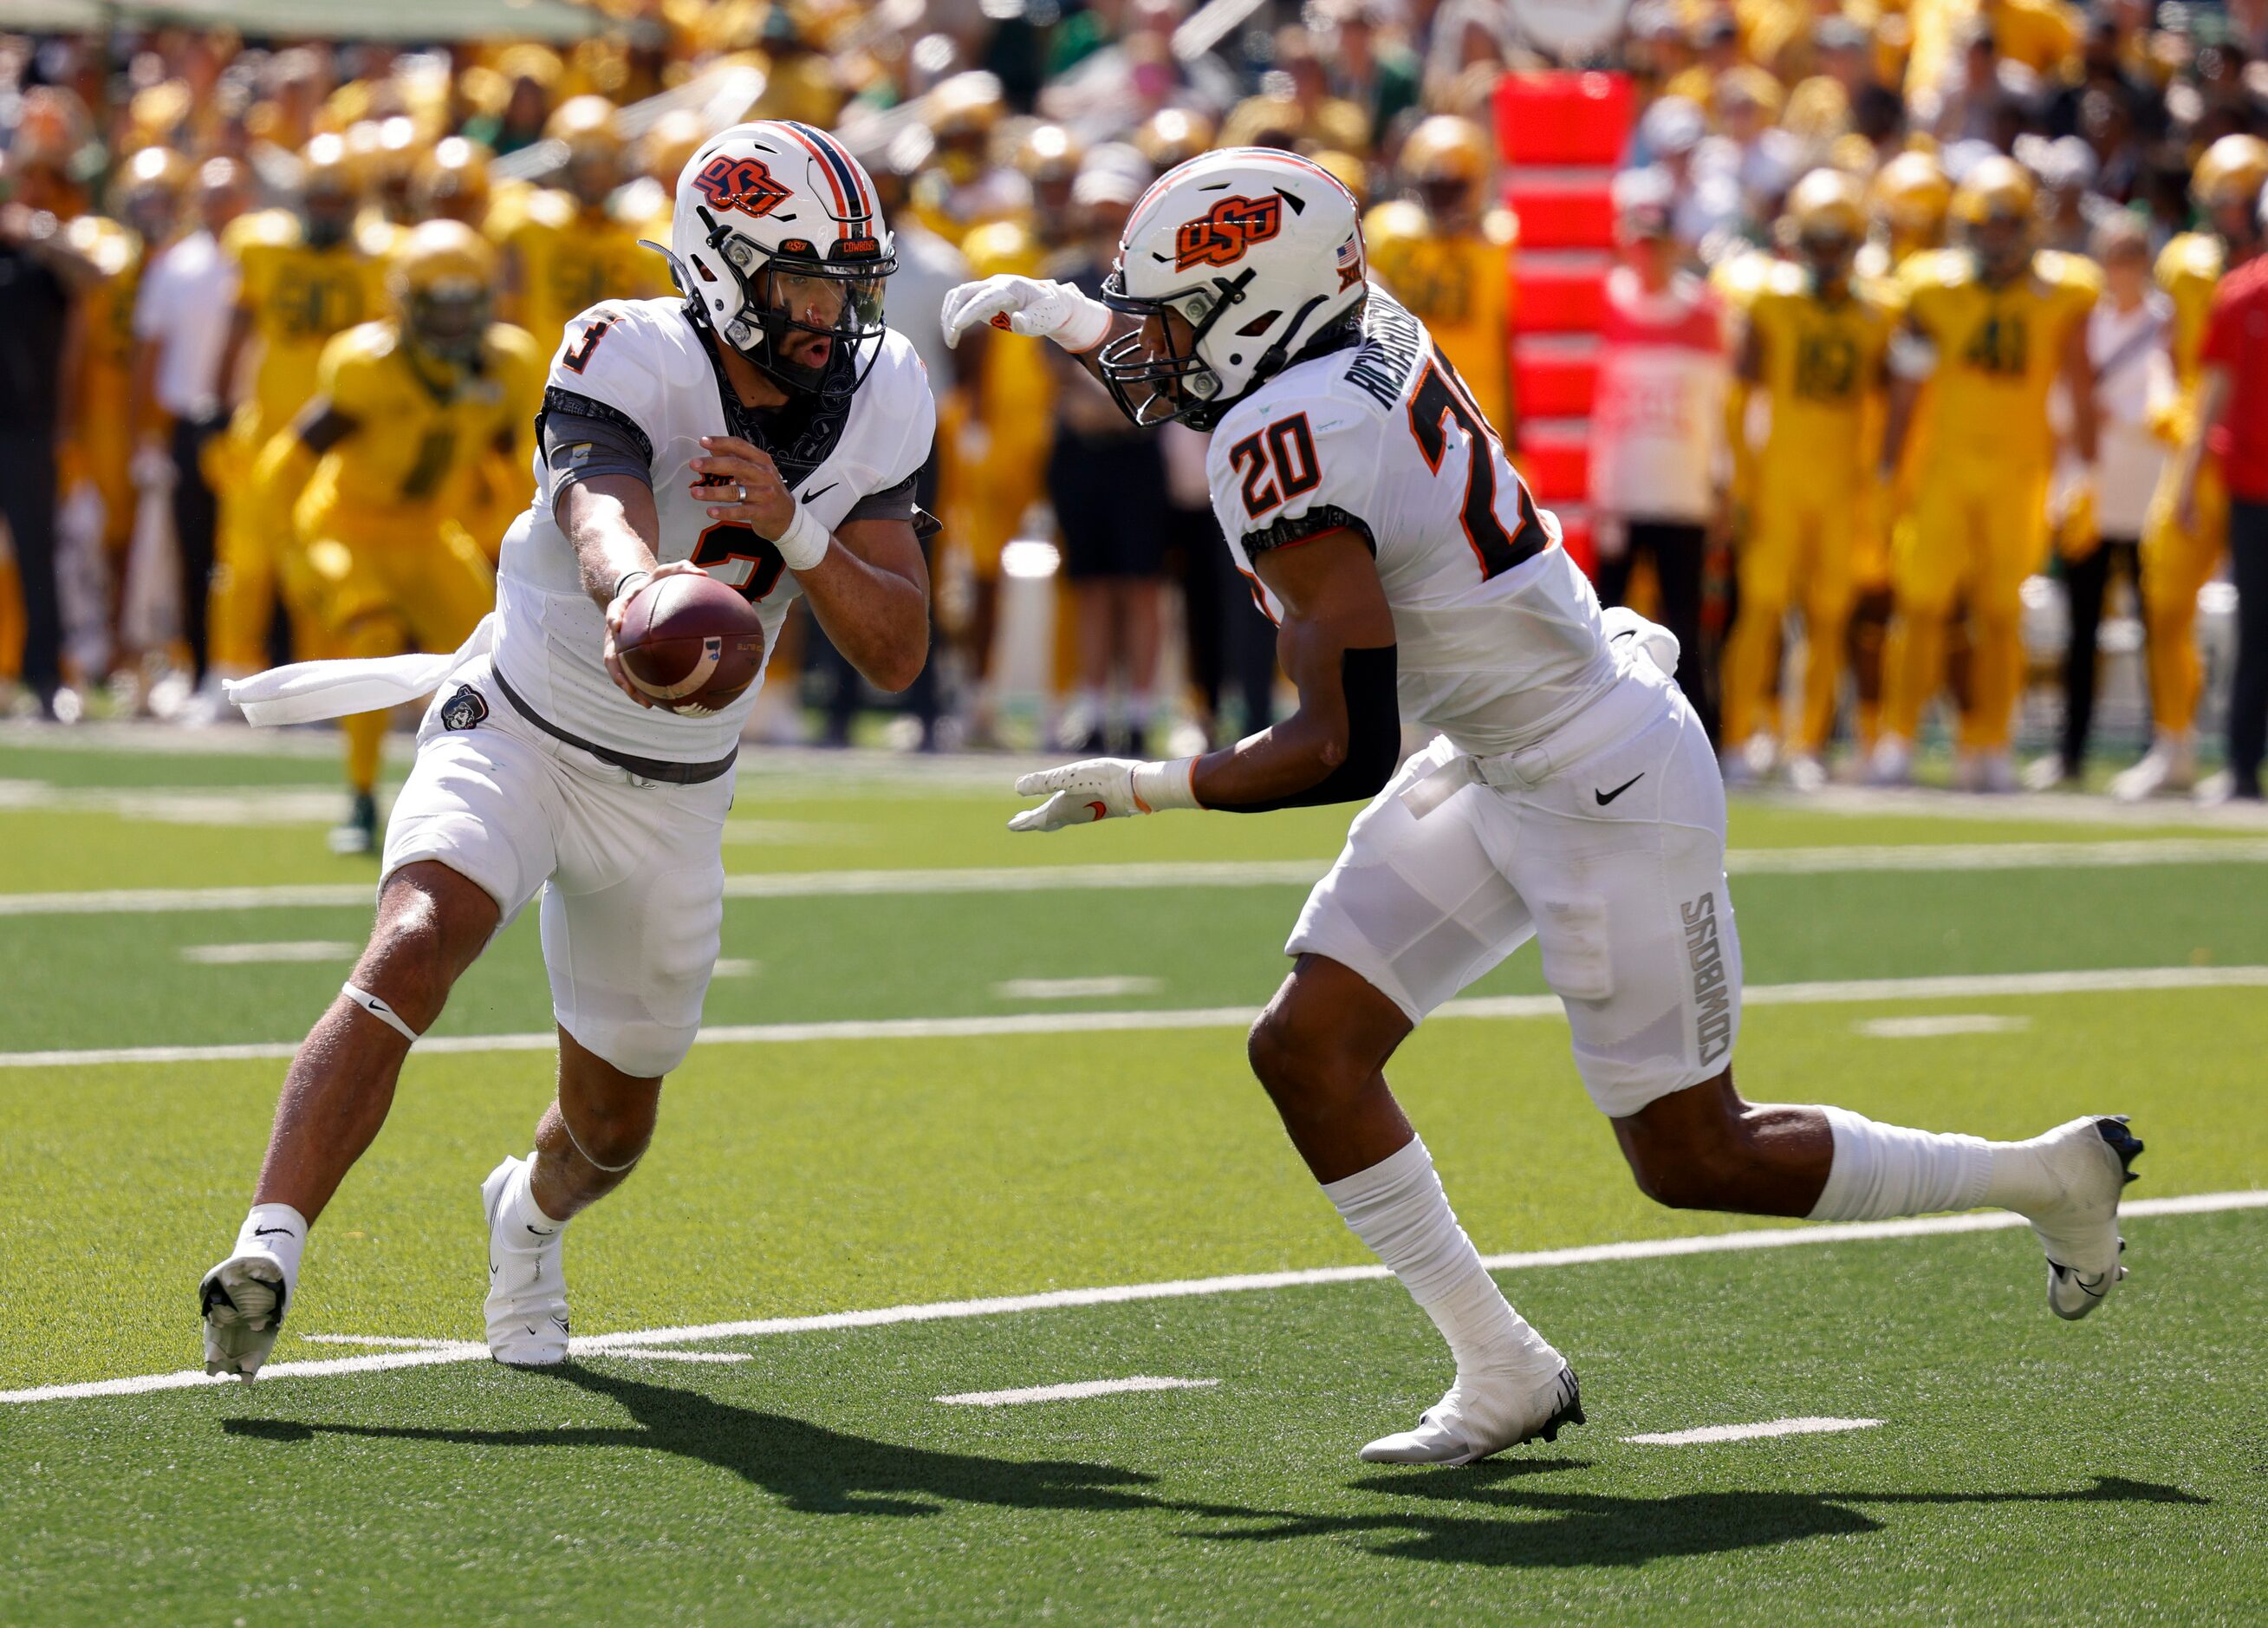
point(1736, 348)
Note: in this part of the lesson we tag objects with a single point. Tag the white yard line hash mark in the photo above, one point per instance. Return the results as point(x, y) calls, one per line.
point(263, 955)
point(1077, 1391)
point(2104, 981)
point(643, 1355)
point(737, 967)
point(1074, 989)
point(1751, 1432)
point(1949, 1023)
point(1200, 874)
point(1120, 1294)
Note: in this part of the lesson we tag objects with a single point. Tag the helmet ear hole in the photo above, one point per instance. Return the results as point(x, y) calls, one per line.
point(1258, 326)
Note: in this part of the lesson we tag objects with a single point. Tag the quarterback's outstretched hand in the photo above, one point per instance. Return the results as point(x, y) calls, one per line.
point(1104, 788)
point(625, 591)
point(1073, 318)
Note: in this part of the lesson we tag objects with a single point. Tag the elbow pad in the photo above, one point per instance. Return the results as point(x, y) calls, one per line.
point(1366, 677)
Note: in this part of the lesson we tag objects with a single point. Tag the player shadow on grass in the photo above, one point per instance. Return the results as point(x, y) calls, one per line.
point(809, 1467)
point(1596, 1528)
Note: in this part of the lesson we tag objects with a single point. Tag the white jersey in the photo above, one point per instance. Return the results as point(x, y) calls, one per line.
point(645, 361)
point(1497, 632)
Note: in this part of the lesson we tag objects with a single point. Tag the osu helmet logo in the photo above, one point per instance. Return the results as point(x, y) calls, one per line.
point(1220, 235)
point(743, 184)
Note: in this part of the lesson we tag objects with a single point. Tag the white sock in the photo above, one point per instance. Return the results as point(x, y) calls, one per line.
point(525, 1225)
point(1398, 1208)
point(282, 1231)
point(1884, 1170)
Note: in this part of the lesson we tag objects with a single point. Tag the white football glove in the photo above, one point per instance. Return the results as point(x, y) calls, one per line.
point(1104, 788)
point(1074, 320)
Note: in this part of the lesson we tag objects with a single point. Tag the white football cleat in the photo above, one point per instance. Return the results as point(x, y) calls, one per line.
point(527, 1305)
point(1891, 763)
point(1483, 1417)
point(2088, 1160)
point(2168, 766)
point(242, 1301)
point(1806, 773)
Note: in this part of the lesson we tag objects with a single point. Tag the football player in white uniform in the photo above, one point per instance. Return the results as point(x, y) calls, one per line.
point(1571, 795)
point(767, 429)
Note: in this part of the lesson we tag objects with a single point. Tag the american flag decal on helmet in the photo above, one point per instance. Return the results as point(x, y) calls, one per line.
point(1350, 261)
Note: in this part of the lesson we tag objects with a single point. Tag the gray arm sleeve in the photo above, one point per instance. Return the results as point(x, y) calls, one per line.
point(895, 503)
point(583, 438)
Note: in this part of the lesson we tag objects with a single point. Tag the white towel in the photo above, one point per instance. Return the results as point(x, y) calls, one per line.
point(306, 691)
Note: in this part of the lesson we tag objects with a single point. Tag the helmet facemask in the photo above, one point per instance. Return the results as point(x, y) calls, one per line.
point(772, 285)
point(1153, 386)
point(448, 320)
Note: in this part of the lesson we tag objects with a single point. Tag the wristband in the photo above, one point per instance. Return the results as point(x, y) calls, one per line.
point(1160, 786)
point(626, 576)
point(805, 540)
point(1088, 324)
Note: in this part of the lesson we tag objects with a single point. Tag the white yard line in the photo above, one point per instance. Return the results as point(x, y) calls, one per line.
point(1932, 1028)
point(1751, 1432)
point(2108, 981)
point(1195, 873)
point(1074, 989)
point(1077, 1391)
point(1119, 1294)
point(263, 955)
point(644, 1355)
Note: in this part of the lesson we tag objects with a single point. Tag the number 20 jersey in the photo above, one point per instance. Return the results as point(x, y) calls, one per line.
point(1497, 632)
point(643, 360)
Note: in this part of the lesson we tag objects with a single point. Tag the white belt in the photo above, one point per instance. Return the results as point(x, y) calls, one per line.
point(1595, 726)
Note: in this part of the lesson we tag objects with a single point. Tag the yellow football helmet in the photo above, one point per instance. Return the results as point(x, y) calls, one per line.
point(1827, 204)
point(587, 124)
point(452, 181)
point(1443, 150)
point(1172, 136)
point(1994, 203)
point(1912, 197)
point(2232, 171)
point(1048, 152)
point(440, 283)
point(965, 105)
point(148, 193)
point(1999, 188)
point(328, 193)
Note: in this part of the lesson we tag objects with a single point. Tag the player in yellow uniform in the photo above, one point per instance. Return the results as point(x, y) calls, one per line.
point(567, 251)
point(451, 182)
point(1815, 349)
point(999, 437)
point(367, 483)
point(146, 203)
point(2178, 560)
point(962, 189)
point(304, 275)
point(1991, 325)
point(1911, 202)
point(1444, 252)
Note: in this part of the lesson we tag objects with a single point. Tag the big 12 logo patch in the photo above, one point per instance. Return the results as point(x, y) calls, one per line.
point(1220, 235)
point(742, 183)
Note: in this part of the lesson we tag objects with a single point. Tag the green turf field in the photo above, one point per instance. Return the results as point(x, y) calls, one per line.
point(1030, 1087)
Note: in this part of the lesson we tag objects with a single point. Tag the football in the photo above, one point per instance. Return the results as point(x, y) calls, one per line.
point(691, 643)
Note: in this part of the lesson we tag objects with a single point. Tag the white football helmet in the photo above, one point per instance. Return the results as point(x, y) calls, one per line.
point(776, 234)
point(1259, 252)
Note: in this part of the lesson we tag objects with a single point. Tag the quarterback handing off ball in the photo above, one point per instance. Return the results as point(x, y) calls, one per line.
point(691, 643)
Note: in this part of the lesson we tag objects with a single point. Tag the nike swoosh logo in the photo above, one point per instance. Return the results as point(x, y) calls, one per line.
point(264, 1231)
point(1625, 633)
point(539, 1231)
point(820, 492)
point(1608, 797)
point(1101, 812)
